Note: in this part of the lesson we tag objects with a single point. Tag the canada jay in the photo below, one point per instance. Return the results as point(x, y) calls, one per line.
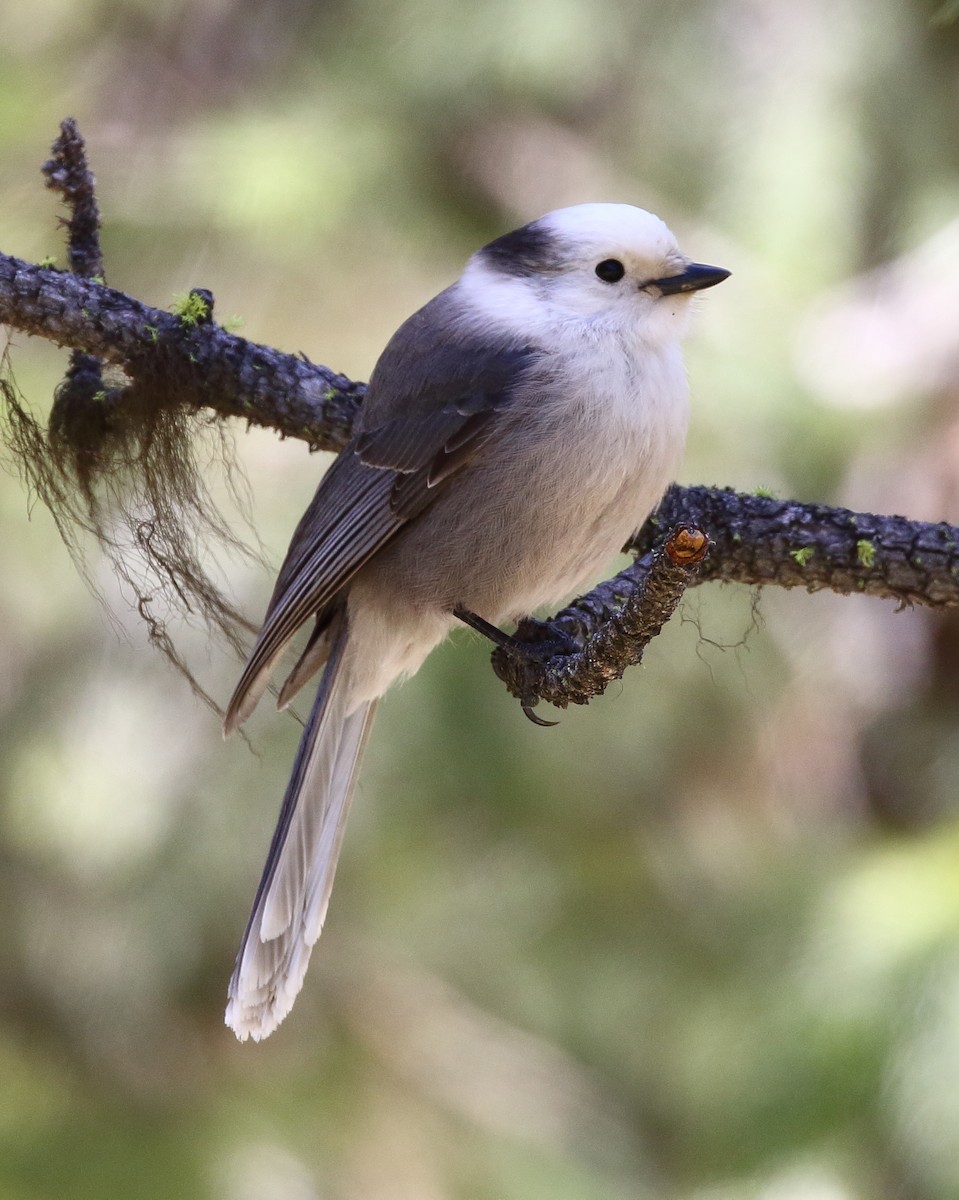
point(515, 432)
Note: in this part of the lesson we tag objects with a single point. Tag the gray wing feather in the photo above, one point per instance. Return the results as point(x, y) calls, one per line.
point(428, 409)
point(402, 443)
point(351, 521)
point(440, 357)
point(315, 653)
point(414, 492)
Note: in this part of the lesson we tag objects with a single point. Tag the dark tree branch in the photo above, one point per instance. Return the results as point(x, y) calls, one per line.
point(67, 172)
point(762, 540)
point(184, 361)
point(171, 361)
point(181, 360)
point(755, 540)
point(611, 626)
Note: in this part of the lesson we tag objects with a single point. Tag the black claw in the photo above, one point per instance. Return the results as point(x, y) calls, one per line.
point(543, 724)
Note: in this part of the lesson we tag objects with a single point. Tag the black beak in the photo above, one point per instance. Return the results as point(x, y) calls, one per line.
point(695, 277)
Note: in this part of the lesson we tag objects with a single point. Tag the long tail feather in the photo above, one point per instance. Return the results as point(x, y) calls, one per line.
point(294, 892)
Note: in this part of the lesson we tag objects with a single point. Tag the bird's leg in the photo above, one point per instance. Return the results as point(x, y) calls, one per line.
point(547, 644)
point(493, 632)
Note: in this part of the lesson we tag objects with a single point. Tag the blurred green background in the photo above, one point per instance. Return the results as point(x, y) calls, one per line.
point(702, 940)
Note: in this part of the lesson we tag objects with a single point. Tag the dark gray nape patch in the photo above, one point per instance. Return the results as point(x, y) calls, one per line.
point(530, 250)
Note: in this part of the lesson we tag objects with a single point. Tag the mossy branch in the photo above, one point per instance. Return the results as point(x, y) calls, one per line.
point(174, 362)
point(177, 368)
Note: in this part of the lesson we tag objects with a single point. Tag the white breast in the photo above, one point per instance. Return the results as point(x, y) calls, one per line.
point(604, 443)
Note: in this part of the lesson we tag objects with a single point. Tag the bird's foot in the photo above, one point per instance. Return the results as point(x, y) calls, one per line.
point(534, 641)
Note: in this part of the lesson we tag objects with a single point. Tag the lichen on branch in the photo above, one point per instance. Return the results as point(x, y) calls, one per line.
point(147, 389)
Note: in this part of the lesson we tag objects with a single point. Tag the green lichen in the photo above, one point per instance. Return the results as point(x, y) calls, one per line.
point(764, 493)
point(803, 554)
point(191, 308)
point(152, 332)
point(866, 552)
point(233, 322)
point(49, 261)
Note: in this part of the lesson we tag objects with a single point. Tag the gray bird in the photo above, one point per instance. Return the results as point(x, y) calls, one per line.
point(516, 430)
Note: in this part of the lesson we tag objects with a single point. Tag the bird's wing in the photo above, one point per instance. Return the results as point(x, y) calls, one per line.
point(421, 422)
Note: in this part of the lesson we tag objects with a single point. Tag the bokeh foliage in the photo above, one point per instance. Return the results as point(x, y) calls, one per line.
point(701, 941)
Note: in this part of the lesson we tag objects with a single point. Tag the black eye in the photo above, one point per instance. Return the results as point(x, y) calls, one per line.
point(610, 270)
